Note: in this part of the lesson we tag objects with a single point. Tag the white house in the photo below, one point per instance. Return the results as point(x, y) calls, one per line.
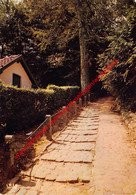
point(14, 71)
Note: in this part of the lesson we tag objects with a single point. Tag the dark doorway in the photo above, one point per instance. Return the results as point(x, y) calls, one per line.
point(16, 80)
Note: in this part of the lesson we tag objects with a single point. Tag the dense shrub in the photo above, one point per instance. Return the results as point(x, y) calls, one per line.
point(121, 80)
point(20, 109)
point(63, 94)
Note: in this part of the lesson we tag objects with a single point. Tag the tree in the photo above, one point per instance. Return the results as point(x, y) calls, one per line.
point(17, 37)
point(121, 81)
point(12, 28)
point(59, 22)
point(74, 29)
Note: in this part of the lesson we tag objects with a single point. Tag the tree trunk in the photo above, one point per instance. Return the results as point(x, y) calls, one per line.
point(84, 67)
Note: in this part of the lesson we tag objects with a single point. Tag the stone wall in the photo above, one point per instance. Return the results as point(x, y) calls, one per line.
point(4, 164)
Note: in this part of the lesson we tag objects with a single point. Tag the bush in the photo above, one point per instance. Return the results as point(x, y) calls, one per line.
point(23, 108)
point(121, 80)
point(65, 94)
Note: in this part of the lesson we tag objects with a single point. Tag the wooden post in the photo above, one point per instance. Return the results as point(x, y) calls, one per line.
point(65, 115)
point(85, 100)
point(80, 103)
point(50, 126)
point(9, 139)
point(75, 108)
point(89, 97)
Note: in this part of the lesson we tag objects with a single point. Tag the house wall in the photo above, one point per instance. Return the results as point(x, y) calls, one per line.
point(18, 69)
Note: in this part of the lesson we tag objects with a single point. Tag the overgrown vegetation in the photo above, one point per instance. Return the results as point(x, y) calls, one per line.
point(21, 109)
point(121, 81)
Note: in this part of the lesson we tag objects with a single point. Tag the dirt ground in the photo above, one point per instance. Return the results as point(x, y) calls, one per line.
point(114, 169)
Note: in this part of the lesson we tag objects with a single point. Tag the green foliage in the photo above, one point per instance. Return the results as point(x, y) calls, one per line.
point(22, 108)
point(64, 93)
point(121, 80)
point(47, 33)
point(14, 33)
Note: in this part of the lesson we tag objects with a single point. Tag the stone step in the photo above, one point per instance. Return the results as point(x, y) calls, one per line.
point(73, 146)
point(80, 132)
point(62, 172)
point(77, 138)
point(68, 156)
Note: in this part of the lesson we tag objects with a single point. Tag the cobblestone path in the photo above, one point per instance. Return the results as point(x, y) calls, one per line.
point(93, 155)
point(65, 168)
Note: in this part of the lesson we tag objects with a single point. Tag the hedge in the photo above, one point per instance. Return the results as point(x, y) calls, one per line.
point(21, 108)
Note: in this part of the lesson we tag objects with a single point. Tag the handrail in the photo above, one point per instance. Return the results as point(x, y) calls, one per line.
point(36, 129)
point(32, 133)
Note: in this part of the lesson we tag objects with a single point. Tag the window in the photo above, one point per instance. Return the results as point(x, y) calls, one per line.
point(16, 80)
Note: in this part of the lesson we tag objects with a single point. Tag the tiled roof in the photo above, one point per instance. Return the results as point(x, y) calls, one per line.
point(7, 60)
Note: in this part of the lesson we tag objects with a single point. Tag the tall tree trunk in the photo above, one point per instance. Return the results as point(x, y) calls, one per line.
point(84, 67)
